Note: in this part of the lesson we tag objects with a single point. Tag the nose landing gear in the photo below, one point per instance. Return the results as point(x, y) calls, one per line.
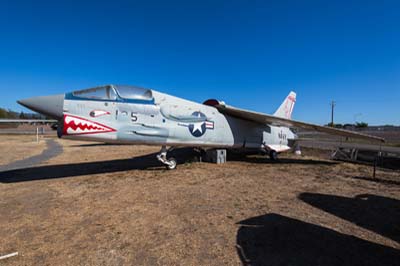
point(170, 163)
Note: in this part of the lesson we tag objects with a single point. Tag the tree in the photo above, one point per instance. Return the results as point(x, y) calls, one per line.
point(12, 115)
point(361, 125)
point(3, 113)
point(338, 125)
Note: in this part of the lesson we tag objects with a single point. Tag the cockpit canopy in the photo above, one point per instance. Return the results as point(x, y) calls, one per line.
point(134, 93)
point(97, 93)
point(111, 92)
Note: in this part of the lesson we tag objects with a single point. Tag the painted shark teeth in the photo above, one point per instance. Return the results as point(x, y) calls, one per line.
point(74, 125)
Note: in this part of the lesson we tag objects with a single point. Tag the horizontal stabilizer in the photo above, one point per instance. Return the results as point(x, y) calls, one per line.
point(278, 148)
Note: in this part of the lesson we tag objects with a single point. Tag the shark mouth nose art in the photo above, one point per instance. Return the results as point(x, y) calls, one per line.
point(74, 125)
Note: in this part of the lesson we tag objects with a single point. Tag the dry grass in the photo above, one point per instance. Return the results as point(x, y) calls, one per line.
point(98, 207)
point(15, 147)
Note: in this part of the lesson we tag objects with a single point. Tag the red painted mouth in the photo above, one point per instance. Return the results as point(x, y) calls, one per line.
point(74, 125)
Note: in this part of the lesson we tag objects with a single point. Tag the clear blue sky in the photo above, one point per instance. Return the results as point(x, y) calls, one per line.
point(248, 53)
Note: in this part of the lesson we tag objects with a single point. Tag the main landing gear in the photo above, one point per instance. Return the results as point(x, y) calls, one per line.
point(273, 155)
point(162, 157)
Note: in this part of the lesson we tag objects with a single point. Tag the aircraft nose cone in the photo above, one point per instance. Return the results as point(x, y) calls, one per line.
point(47, 105)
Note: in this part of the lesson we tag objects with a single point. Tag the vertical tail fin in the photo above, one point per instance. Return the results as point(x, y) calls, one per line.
point(286, 108)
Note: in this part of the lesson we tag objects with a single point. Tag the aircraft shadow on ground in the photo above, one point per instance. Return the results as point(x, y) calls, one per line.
point(265, 159)
point(375, 213)
point(78, 169)
point(145, 162)
point(273, 239)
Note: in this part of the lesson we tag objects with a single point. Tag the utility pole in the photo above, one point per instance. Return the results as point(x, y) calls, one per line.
point(333, 104)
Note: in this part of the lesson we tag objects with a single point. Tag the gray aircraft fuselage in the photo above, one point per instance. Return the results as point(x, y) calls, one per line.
point(131, 115)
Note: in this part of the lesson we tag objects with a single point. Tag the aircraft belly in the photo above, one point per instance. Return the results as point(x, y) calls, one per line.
point(101, 137)
point(216, 138)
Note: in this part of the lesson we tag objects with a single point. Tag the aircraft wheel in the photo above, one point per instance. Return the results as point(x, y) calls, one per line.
point(171, 164)
point(273, 155)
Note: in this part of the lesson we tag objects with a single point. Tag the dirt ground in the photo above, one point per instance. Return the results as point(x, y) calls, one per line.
point(116, 205)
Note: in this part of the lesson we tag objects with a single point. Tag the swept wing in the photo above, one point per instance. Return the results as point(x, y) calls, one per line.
point(279, 121)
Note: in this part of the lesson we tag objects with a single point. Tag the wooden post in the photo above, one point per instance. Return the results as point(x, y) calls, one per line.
point(37, 135)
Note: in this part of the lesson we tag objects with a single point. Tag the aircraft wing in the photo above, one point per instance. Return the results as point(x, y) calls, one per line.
point(278, 121)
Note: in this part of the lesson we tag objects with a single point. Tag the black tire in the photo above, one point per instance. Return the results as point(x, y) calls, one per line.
point(172, 165)
point(273, 155)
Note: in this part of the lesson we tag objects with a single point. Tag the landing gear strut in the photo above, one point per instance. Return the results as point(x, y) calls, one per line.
point(162, 157)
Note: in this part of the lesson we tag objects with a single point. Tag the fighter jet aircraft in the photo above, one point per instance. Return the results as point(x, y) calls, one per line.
point(134, 115)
